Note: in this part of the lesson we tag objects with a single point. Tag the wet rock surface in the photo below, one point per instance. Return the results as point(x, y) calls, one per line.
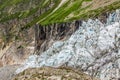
point(45, 36)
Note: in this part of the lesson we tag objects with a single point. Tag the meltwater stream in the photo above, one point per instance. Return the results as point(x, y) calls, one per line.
point(94, 48)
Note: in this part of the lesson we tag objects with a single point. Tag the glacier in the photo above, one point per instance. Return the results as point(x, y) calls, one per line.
point(94, 48)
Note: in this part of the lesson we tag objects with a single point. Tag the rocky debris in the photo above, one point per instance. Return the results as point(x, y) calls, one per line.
point(15, 52)
point(7, 72)
point(49, 73)
point(94, 48)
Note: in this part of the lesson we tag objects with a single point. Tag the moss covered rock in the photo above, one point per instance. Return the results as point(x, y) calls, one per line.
point(49, 73)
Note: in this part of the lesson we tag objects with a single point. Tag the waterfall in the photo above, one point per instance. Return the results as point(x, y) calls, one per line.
point(93, 48)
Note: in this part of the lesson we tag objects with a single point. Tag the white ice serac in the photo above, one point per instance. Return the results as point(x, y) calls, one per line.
point(94, 48)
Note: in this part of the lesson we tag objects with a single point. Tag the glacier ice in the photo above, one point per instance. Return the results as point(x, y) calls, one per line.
point(94, 48)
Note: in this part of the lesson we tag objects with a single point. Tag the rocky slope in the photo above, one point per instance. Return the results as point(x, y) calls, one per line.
point(49, 73)
point(16, 51)
point(45, 36)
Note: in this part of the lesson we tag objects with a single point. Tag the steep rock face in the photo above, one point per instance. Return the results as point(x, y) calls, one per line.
point(46, 35)
point(94, 48)
point(16, 51)
point(39, 38)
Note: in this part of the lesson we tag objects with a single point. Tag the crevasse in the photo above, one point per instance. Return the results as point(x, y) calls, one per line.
point(94, 48)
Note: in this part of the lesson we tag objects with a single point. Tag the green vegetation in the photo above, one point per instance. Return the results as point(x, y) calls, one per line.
point(97, 12)
point(46, 12)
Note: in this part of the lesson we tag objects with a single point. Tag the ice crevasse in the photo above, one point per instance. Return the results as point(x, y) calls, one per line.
point(94, 48)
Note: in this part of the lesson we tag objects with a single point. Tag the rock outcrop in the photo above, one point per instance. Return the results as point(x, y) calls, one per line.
point(45, 36)
point(15, 52)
